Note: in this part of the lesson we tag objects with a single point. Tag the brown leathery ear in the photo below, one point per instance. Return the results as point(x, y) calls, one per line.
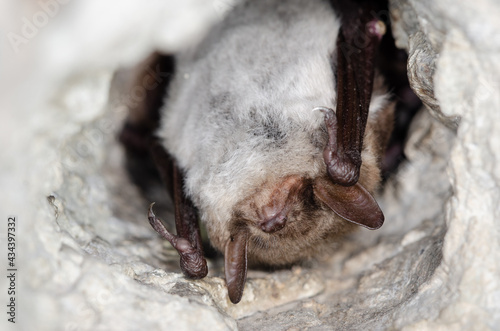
point(353, 203)
point(236, 264)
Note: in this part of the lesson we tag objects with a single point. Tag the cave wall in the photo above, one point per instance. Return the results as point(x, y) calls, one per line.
point(454, 51)
point(88, 260)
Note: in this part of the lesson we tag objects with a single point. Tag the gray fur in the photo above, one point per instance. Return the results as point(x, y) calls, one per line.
point(240, 116)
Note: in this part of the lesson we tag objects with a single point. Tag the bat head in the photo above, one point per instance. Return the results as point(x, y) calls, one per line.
point(292, 216)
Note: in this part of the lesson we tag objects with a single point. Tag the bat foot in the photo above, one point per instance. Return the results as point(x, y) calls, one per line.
point(192, 262)
point(340, 171)
point(342, 167)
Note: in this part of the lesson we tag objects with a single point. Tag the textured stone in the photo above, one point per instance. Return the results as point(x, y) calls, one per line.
point(466, 84)
point(87, 258)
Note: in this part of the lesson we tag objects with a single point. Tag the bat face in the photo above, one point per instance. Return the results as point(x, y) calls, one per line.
point(286, 222)
point(273, 203)
point(289, 209)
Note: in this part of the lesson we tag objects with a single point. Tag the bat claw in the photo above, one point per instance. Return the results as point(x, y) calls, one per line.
point(192, 262)
point(157, 224)
point(324, 110)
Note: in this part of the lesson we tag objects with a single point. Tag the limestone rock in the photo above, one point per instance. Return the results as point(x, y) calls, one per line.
point(87, 258)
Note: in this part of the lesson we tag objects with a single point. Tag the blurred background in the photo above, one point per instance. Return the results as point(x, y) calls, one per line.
point(57, 123)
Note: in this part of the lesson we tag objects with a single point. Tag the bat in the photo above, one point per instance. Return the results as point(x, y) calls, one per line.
point(271, 134)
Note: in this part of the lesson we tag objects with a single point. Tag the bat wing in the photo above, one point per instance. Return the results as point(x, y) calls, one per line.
point(139, 140)
point(188, 239)
point(357, 44)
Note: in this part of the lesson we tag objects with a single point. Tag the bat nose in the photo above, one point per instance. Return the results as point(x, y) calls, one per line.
point(273, 221)
point(273, 215)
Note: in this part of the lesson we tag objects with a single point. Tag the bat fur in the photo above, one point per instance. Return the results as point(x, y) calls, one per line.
point(239, 121)
point(250, 140)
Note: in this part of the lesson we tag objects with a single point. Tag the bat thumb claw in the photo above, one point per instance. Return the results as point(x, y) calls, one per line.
point(377, 28)
point(150, 212)
point(324, 110)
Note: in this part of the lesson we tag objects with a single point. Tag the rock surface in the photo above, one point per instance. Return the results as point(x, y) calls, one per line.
point(87, 258)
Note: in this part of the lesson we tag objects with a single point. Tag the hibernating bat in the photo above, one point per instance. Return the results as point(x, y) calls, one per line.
point(265, 134)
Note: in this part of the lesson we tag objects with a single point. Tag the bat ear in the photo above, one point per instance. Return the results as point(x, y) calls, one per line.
point(353, 203)
point(235, 265)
